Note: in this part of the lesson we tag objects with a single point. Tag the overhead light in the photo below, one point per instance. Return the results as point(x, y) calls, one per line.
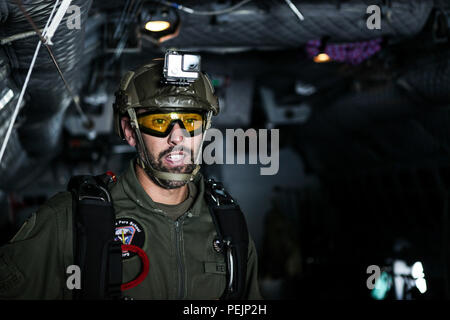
point(419, 276)
point(382, 286)
point(417, 270)
point(157, 26)
point(321, 58)
point(421, 284)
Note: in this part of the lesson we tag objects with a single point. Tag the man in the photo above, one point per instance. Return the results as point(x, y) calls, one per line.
point(159, 204)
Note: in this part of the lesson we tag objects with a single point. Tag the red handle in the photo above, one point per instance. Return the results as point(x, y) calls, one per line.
point(145, 266)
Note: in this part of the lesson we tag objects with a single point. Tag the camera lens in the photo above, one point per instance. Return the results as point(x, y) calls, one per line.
point(191, 63)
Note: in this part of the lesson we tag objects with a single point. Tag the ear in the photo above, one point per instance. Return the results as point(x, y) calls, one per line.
point(128, 131)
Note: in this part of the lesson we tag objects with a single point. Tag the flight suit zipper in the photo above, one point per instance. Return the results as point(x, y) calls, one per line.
point(181, 278)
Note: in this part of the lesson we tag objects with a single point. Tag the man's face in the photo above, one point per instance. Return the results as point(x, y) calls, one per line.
point(174, 153)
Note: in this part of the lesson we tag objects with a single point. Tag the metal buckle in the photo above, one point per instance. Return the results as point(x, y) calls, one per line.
point(219, 195)
point(91, 198)
point(230, 263)
point(95, 197)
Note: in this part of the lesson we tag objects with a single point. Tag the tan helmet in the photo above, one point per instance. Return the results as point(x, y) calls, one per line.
point(146, 88)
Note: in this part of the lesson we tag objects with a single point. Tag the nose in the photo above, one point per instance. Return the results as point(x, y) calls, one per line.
point(176, 135)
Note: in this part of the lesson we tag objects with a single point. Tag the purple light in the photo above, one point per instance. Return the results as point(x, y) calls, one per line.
point(352, 53)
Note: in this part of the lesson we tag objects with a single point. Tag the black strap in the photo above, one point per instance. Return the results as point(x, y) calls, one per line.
point(100, 258)
point(95, 252)
point(233, 236)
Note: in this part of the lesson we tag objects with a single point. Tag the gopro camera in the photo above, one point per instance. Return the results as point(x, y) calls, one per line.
point(181, 68)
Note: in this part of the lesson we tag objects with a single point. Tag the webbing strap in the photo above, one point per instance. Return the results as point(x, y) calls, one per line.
point(98, 257)
point(233, 234)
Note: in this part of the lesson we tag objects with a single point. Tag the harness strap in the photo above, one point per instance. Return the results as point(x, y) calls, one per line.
point(233, 236)
point(95, 252)
point(100, 257)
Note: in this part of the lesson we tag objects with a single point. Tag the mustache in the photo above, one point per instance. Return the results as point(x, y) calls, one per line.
point(175, 149)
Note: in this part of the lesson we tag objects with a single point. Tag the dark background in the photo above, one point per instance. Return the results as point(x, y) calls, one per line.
point(364, 176)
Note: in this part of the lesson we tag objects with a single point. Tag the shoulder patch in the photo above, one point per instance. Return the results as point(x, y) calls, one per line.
point(129, 231)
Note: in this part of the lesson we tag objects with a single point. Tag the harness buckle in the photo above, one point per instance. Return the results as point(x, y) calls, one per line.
point(218, 193)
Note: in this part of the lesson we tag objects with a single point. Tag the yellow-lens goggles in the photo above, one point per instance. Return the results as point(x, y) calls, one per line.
point(160, 124)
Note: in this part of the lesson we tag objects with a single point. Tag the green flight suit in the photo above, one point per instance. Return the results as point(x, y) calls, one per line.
point(183, 262)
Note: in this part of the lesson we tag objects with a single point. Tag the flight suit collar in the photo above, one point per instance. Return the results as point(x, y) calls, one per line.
point(134, 190)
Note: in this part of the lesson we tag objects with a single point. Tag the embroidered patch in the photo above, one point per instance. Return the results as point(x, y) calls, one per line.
point(129, 231)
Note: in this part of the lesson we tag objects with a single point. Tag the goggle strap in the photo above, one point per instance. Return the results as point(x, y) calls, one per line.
point(200, 149)
point(145, 164)
point(133, 118)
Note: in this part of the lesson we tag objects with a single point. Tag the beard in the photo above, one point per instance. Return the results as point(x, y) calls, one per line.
point(157, 164)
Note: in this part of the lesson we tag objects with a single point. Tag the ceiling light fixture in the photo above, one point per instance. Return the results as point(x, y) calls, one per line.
point(157, 26)
point(159, 23)
point(322, 57)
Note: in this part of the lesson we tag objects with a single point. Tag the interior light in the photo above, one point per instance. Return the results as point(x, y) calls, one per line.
point(322, 57)
point(421, 284)
point(382, 286)
point(157, 26)
point(417, 270)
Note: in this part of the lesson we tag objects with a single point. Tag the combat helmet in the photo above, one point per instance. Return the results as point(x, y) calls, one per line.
point(154, 87)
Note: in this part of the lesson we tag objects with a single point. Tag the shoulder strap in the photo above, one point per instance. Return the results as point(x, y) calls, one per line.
point(233, 237)
point(95, 252)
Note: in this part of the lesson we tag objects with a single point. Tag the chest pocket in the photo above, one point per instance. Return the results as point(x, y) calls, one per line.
point(210, 283)
point(215, 267)
point(208, 276)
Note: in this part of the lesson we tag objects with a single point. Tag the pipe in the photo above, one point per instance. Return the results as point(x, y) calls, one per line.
point(37, 137)
point(275, 26)
point(18, 36)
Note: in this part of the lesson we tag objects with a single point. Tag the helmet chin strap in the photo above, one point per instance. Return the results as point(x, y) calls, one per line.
point(144, 159)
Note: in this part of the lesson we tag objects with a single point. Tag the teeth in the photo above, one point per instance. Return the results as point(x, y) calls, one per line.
point(176, 157)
